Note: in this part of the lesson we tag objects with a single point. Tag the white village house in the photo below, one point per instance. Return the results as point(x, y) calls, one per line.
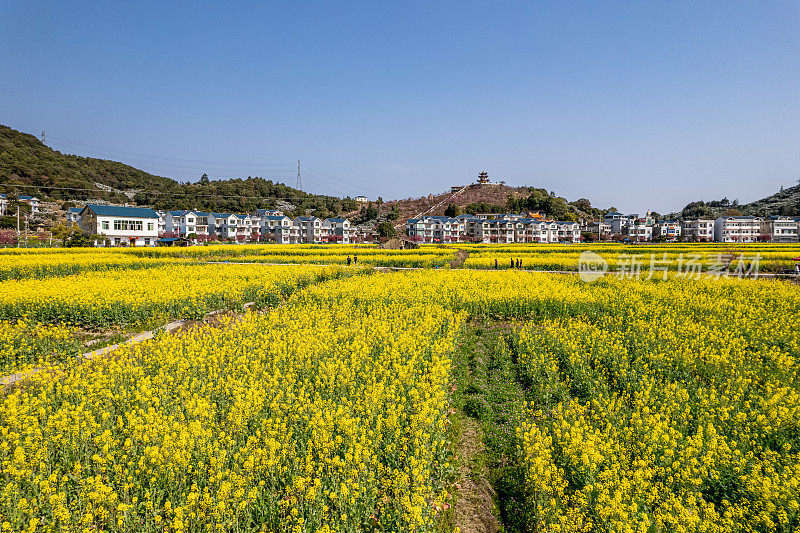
point(779, 229)
point(737, 229)
point(124, 226)
point(30, 200)
point(700, 229)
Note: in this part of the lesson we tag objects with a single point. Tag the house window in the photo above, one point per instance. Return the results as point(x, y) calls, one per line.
point(149, 227)
point(105, 224)
point(128, 225)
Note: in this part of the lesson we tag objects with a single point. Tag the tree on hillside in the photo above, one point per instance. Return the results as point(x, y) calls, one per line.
point(204, 179)
point(583, 204)
point(369, 212)
point(385, 229)
point(451, 211)
point(541, 200)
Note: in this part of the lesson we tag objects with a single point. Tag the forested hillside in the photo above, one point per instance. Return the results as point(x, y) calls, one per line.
point(29, 167)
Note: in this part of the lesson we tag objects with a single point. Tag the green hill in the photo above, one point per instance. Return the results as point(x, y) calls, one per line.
point(784, 202)
point(26, 162)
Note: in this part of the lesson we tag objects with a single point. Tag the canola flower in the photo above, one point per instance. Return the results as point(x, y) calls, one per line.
point(330, 418)
point(651, 406)
point(147, 295)
point(48, 262)
point(676, 410)
point(24, 344)
point(772, 257)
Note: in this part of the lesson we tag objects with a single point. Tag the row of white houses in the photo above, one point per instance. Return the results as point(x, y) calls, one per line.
point(723, 229)
point(491, 228)
point(137, 226)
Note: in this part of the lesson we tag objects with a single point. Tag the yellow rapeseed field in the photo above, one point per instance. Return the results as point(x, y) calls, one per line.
point(23, 344)
point(647, 405)
point(676, 409)
point(331, 417)
point(102, 298)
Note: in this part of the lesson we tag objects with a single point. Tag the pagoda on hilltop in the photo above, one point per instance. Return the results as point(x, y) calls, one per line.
point(483, 178)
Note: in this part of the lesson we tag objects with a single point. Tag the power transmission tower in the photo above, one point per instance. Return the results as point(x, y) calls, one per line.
point(43, 137)
point(299, 181)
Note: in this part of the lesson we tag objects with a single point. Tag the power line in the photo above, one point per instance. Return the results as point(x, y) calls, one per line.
point(350, 183)
point(166, 164)
point(177, 159)
point(299, 182)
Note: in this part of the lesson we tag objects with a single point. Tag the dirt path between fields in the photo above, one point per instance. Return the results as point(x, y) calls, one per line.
point(475, 502)
point(175, 326)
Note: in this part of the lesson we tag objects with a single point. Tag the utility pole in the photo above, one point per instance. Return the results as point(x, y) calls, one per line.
point(17, 226)
point(43, 137)
point(299, 181)
point(26, 231)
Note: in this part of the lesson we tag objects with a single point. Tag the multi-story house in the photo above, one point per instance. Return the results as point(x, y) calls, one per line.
point(619, 222)
point(600, 228)
point(311, 229)
point(638, 231)
point(700, 230)
point(240, 228)
point(568, 232)
point(437, 229)
point(74, 215)
point(447, 229)
point(162, 222)
point(123, 226)
point(779, 229)
point(30, 200)
point(737, 229)
point(338, 230)
point(184, 223)
point(616, 221)
point(279, 229)
point(489, 231)
point(668, 229)
point(530, 230)
point(222, 225)
point(245, 231)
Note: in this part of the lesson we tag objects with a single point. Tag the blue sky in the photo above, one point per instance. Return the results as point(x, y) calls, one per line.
point(640, 105)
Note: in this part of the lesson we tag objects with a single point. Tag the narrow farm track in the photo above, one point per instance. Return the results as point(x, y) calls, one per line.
point(136, 339)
